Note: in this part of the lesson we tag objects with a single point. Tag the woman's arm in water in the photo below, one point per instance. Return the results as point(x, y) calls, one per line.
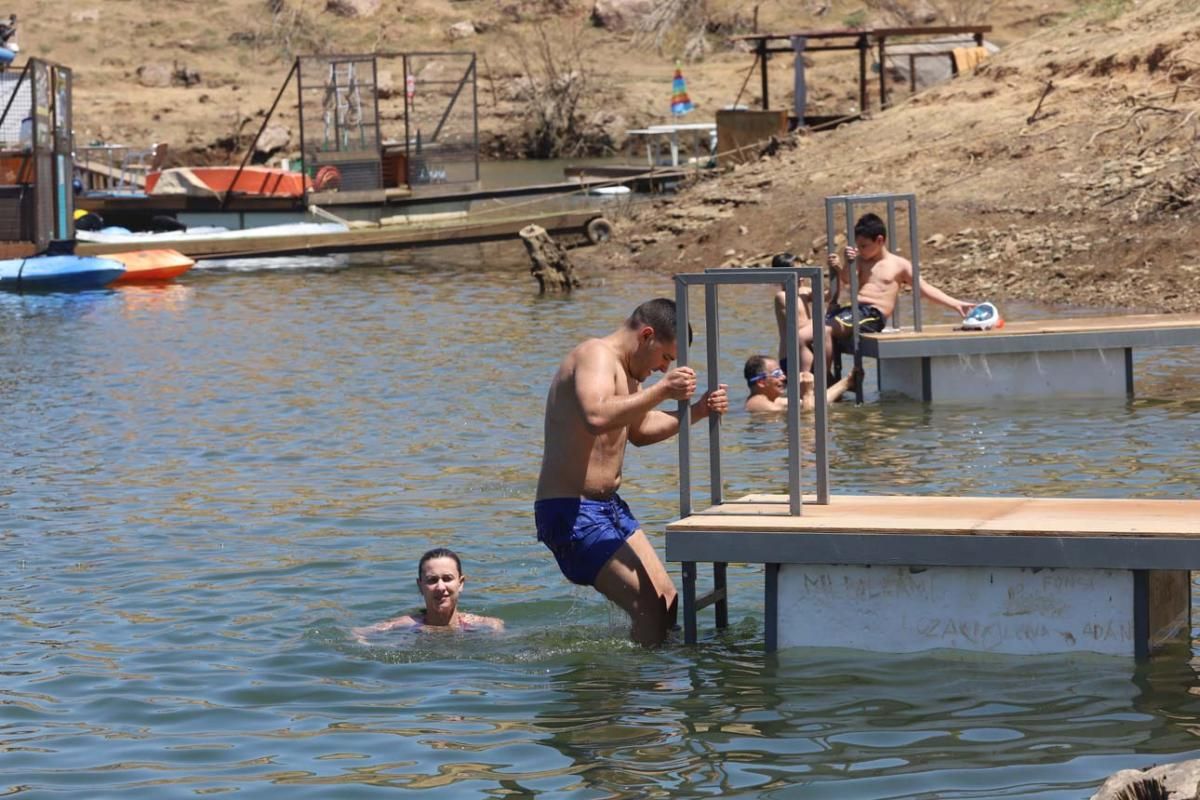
point(405, 621)
point(480, 621)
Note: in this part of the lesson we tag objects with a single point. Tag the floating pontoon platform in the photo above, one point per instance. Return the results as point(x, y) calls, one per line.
point(911, 573)
point(1026, 359)
point(384, 237)
point(994, 574)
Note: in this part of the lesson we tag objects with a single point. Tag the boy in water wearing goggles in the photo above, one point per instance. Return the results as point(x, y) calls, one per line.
point(768, 386)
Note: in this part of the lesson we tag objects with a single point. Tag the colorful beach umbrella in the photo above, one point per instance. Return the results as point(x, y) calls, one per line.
point(680, 102)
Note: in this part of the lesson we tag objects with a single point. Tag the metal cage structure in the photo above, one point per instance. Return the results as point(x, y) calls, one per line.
point(789, 278)
point(441, 118)
point(37, 202)
point(361, 133)
point(339, 122)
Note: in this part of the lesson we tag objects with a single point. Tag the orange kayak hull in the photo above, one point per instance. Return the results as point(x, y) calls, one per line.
point(143, 266)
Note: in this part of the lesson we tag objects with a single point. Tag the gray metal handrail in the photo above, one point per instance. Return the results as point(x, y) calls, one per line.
point(790, 277)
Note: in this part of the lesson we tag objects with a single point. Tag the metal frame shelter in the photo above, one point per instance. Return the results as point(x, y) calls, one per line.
point(340, 103)
point(37, 201)
point(711, 280)
point(440, 144)
point(861, 40)
point(848, 202)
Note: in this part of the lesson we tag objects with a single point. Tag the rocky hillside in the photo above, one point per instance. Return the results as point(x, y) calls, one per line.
point(1064, 169)
point(1090, 198)
point(201, 75)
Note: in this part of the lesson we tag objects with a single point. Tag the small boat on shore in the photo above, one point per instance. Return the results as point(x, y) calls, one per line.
point(146, 266)
point(62, 273)
point(209, 181)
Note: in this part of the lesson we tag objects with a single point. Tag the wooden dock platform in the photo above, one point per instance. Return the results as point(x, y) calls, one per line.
point(638, 178)
point(385, 237)
point(993, 574)
point(1083, 356)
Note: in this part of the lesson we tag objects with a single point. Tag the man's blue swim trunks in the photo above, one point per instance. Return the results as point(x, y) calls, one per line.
point(583, 534)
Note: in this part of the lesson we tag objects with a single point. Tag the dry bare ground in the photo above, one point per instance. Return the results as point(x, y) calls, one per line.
point(241, 51)
point(1092, 201)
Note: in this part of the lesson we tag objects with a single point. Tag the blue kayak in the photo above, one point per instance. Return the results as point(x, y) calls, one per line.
point(58, 273)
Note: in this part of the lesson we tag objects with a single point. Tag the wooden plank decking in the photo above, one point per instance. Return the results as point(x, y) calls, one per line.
point(945, 531)
point(955, 516)
point(1130, 556)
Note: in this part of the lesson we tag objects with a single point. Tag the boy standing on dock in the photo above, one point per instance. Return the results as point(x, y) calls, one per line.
point(595, 405)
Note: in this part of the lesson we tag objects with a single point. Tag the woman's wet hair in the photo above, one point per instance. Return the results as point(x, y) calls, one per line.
point(439, 552)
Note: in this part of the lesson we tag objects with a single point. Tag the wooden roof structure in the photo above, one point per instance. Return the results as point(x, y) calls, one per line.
point(841, 39)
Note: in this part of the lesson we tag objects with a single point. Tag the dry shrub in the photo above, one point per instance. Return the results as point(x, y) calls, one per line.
point(557, 81)
point(288, 29)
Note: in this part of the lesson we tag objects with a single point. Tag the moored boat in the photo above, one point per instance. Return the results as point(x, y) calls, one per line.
point(260, 181)
point(144, 266)
point(58, 273)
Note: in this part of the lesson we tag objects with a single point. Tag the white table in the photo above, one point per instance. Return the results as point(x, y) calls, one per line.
point(656, 135)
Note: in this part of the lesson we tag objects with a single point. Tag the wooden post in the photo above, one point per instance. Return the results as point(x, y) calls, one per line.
point(764, 55)
point(550, 266)
point(863, 48)
point(883, 90)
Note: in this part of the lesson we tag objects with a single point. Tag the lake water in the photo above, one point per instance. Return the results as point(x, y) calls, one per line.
point(204, 486)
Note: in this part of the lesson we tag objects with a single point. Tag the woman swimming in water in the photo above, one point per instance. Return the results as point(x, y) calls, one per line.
point(440, 579)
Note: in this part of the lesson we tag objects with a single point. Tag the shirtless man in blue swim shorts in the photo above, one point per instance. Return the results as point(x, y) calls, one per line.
point(596, 404)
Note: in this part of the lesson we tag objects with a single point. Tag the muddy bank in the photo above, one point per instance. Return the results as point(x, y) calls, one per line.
point(1090, 202)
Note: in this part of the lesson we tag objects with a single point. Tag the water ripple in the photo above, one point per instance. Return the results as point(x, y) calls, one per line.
point(204, 487)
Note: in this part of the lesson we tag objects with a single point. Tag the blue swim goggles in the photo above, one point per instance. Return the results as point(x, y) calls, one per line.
point(762, 376)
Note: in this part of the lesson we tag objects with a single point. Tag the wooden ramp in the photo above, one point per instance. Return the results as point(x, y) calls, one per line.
point(1084, 356)
point(386, 237)
point(901, 573)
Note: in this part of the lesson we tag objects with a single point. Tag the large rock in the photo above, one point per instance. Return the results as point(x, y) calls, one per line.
point(619, 15)
point(461, 30)
point(155, 76)
point(385, 84)
point(353, 8)
point(1176, 781)
point(274, 138)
